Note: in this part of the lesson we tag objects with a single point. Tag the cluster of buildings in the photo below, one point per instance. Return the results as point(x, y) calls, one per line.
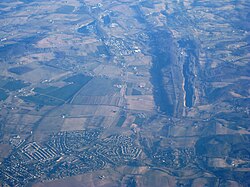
point(66, 154)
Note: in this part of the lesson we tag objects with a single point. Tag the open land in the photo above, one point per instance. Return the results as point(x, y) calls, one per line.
point(124, 93)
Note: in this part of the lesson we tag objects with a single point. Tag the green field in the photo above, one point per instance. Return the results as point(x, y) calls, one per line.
point(3, 95)
point(14, 85)
point(139, 120)
point(56, 96)
point(42, 100)
point(121, 121)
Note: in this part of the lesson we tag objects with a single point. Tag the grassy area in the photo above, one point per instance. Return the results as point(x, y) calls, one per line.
point(3, 82)
point(20, 70)
point(139, 120)
point(136, 92)
point(45, 90)
point(79, 79)
point(67, 92)
point(56, 96)
point(42, 100)
point(14, 85)
point(121, 121)
point(3, 95)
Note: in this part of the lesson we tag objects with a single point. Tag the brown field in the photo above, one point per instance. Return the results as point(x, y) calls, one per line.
point(24, 119)
point(110, 179)
point(199, 182)
point(40, 74)
point(143, 102)
point(108, 70)
point(179, 142)
point(218, 163)
point(73, 124)
point(5, 150)
point(82, 110)
point(40, 36)
point(107, 111)
point(221, 129)
point(98, 100)
point(48, 126)
point(37, 57)
point(139, 59)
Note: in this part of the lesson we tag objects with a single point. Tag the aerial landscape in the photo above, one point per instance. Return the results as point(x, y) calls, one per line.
point(109, 93)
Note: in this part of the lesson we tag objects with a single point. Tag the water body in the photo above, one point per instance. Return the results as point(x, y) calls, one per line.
point(188, 86)
point(188, 66)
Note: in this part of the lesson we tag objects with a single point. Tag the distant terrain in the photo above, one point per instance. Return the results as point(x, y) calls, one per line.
point(125, 93)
